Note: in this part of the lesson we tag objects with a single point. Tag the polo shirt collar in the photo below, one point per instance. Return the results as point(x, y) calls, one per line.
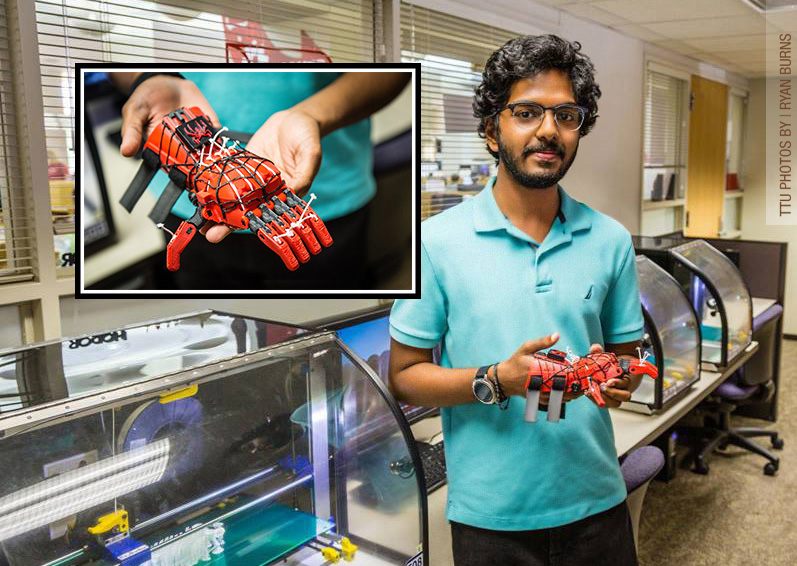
point(487, 217)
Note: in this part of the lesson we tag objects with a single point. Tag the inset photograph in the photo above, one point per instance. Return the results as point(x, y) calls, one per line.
point(286, 179)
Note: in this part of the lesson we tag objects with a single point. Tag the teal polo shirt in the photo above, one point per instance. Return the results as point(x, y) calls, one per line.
point(243, 101)
point(487, 287)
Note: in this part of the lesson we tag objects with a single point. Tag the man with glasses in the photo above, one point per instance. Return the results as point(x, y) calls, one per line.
point(516, 269)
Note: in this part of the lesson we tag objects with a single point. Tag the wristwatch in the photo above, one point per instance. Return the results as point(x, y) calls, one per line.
point(483, 388)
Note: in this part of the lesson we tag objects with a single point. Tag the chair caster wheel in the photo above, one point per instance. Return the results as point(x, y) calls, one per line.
point(777, 443)
point(700, 467)
point(770, 469)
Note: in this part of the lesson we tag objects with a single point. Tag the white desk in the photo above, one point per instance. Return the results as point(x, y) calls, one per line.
point(760, 305)
point(632, 430)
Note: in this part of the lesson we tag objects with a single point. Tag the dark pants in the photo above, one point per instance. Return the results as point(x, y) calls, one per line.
point(605, 539)
point(242, 261)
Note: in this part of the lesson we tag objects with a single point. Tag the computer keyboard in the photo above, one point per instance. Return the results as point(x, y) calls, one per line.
point(433, 460)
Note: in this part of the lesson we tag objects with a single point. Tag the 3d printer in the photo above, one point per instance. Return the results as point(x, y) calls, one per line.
point(205, 439)
point(672, 339)
point(716, 291)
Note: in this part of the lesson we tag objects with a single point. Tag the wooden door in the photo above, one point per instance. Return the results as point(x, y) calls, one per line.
point(705, 192)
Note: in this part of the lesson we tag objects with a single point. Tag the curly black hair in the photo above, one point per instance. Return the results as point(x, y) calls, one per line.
point(526, 56)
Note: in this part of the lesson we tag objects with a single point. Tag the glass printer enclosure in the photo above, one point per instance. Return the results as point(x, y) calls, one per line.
point(720, 298)
point(672, 339)
point(277, 434)
point(715, 289)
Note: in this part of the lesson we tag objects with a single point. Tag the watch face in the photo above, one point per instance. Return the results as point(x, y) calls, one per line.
point(483, 391)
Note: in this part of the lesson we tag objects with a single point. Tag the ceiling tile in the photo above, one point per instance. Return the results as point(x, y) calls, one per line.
point(784, 21)
point(640, 32)
point(768, 70)
point(678, 46)
point(594, 14)
point(725, 33)
point(738, 69)
point(708, 27)
point(657, 11)
point(711, 58)
point(561, 3)
point(729, 43)
point(738, 57)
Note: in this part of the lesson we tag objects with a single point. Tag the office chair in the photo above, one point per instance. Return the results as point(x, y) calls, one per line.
point(752, 383)
point(639, 467)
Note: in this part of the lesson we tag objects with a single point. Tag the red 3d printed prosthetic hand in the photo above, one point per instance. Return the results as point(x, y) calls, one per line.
point(228, 185)
point(557, 372)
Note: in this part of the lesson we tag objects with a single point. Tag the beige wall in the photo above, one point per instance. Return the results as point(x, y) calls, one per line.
point(754, 226)
point(606, 174)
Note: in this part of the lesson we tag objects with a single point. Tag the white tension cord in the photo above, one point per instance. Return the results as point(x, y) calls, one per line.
point(289, 231)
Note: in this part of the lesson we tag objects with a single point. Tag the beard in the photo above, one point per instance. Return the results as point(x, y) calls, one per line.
point(534, 180)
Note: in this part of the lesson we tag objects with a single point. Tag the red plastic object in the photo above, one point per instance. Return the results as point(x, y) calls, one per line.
point(185, 233)
point(232, 186)
point(585, 374)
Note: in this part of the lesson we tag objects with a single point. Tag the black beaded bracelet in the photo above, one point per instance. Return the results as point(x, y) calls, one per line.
point(144, 76)
point(501, 399)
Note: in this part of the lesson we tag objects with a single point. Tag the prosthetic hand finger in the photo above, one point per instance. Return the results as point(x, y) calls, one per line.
point(309, 215)
point(267, 234)
point(284, 232)
point(185, 233)
point(294, 220)
point(279, 247)
point(595, 394)
point(319, 228)
point(296, 245)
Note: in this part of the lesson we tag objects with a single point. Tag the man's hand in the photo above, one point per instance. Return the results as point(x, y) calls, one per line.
point(151, 101)
point(615, 391)
point(292, 140)
point(513, 373)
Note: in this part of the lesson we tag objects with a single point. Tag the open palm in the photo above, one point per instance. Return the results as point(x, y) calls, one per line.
point(292, 140)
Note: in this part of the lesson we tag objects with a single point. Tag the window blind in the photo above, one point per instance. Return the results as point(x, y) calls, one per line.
point(453, 52)
point(209, 31)
point(665, 148)
point(177, 31)
point(16, 216)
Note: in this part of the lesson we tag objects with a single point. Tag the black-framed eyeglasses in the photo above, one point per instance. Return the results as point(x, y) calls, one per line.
point(530, 114)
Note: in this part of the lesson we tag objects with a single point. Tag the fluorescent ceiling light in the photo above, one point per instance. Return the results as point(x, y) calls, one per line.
point(771, 6)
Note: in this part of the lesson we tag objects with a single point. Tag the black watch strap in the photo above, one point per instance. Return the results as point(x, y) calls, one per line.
point(144, 76)
point(481, 382)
